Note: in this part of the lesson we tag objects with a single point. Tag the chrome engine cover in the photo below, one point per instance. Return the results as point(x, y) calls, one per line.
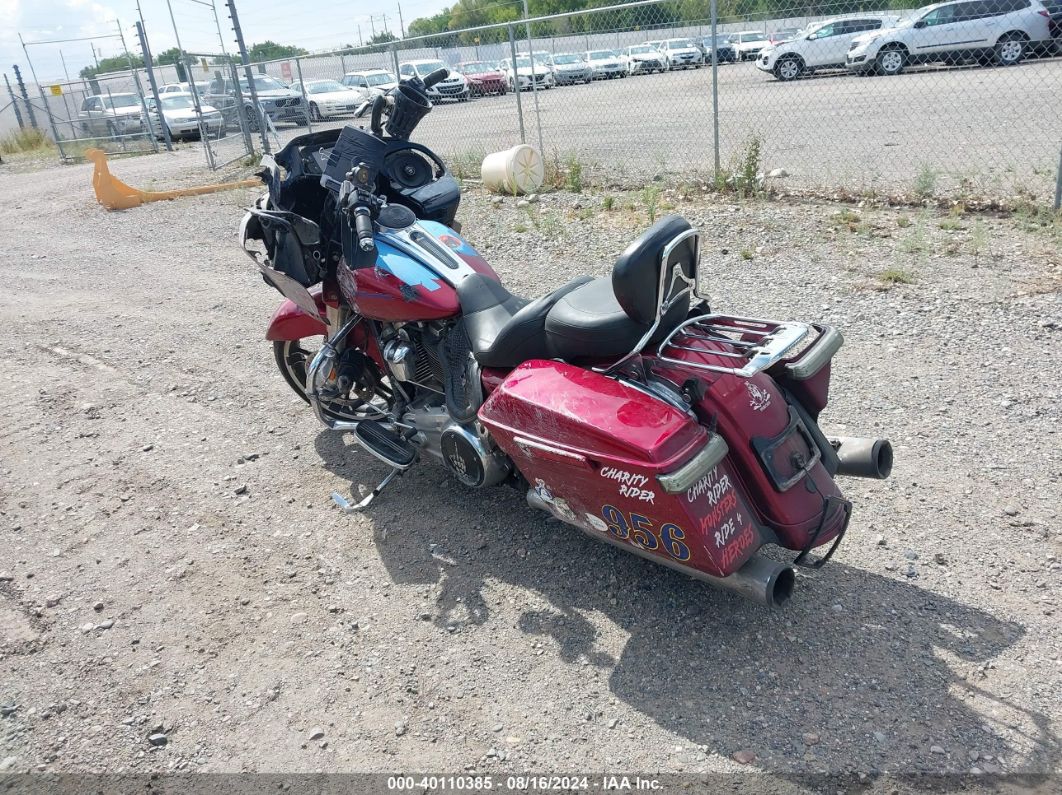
point(466, 450)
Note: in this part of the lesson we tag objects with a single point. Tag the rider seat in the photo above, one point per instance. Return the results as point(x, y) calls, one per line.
point(586, 318)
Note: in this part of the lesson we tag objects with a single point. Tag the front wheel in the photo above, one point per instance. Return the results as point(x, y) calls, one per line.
point(293, 357)
point(252, 118)
point(315, 112)
point(1010, 50)
point(788, 68)
point(892, 61)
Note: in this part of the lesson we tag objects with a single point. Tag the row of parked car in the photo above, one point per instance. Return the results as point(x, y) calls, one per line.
point(986, 31)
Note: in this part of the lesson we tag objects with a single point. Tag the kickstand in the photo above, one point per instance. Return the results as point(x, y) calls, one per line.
point(346, 507)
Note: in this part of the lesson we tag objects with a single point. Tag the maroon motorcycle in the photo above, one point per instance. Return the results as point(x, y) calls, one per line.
point(621, 405)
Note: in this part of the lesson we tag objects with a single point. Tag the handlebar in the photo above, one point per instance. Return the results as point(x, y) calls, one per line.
point(363, 228)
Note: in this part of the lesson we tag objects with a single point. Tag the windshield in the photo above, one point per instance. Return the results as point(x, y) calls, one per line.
point(567, 59)
point(523, 63)
point(120, 101)
point(477, 67)
point(177, 103)
point(426, 68)
point(324, 86)
point(542, 60)
point(676, 43)
point(645, 48)
point(600, 55)
point(753, 37)
point(264, 83)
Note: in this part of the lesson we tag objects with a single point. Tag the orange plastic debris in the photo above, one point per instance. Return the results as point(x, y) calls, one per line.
point(114, 194)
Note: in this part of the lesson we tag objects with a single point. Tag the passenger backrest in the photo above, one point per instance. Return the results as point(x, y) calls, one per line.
point(636, 274)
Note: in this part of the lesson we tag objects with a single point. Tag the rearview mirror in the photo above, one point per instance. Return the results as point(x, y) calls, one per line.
point(920, 23)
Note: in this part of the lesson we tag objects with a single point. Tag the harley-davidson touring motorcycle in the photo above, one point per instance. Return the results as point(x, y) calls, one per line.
point(621, 405)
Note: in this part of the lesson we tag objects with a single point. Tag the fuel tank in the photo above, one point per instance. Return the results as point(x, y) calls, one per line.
point(415, 276)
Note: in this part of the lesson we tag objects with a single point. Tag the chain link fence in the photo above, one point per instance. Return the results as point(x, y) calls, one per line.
point(962, 99)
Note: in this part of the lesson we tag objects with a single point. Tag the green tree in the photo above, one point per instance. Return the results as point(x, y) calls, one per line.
point(383, 37)
point(118, 63)
point(168, 56)
point(271, 51)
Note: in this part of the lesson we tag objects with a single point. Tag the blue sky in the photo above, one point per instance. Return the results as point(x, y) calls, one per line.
point(313, 24)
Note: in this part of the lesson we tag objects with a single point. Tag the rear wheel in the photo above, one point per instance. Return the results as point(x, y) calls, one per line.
point(1010, 49)
point(789, 67)
point(891, 61)
point(294, 356)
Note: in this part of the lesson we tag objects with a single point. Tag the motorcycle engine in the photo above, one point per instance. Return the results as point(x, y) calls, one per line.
point(474, 461)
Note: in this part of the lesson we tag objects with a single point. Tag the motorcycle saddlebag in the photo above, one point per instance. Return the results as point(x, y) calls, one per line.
point(613, 460)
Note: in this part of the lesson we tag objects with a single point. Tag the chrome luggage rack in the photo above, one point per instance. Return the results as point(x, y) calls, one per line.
point(755, 345)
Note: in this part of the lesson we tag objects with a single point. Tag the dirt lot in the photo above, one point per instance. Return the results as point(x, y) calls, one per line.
point(172, 564)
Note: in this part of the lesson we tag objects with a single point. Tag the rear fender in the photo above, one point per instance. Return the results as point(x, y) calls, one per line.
point(291, 323)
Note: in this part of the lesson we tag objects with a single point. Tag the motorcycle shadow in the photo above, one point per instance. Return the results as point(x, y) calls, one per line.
point(857, 672)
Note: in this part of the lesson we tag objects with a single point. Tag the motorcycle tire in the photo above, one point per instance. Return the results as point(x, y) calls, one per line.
point(292, 359)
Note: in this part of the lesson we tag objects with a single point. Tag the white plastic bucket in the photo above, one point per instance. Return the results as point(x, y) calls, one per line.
point(514, 171)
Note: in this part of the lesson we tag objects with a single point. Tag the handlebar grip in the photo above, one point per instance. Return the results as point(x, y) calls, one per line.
point(376, 124)
point(363, 228)
point(436, 77)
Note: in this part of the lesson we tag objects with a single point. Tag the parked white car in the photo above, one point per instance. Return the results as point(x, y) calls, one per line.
point(680, 53)
point(178, 112)
point(644, 59)
point(453, 87)
point(748, 43)
point(525, 71)
point(328, 98)
point(823, 45)
point(606, 64)
point(373, 81)
point(1003, 31)
point(183, 88)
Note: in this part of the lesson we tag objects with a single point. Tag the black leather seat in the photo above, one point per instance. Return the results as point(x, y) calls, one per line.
point(586, 318)
point(504, 329)
point(609, 316)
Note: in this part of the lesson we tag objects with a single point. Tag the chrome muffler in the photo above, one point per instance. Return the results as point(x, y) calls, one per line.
point(863, 458)
point(760, 580)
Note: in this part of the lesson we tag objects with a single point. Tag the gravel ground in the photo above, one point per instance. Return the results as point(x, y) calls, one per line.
point(177, 590)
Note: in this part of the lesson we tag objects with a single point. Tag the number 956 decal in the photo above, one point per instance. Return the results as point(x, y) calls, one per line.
point(639, 531)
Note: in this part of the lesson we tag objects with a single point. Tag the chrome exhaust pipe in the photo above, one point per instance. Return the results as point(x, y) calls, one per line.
point(863, 458)
point(760, 580)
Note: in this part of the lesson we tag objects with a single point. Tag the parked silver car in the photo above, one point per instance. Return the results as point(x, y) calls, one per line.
point(111, 114)
point(178, 112)
point(643, 59)
point(1003, 31)
point(570, 68)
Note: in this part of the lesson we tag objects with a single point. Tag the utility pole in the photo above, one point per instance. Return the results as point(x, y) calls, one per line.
point(14, 103)
point(139, 90)
point(361, 41)
point(372, 24)
point(247, 71)
point(94, 58)
point(401, 23)
point(149, 67)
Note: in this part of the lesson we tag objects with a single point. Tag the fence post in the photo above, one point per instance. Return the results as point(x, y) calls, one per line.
point(44, 100)
point(245, 127)
point(516, 86)
point(305, 98)
point(14, 103)
point(394, 60)
point(534, 83)
point(1058, 184)
point(146, 52)
point(25, 94)
point(247, 70)
point(715, 87)
point(140, 92)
